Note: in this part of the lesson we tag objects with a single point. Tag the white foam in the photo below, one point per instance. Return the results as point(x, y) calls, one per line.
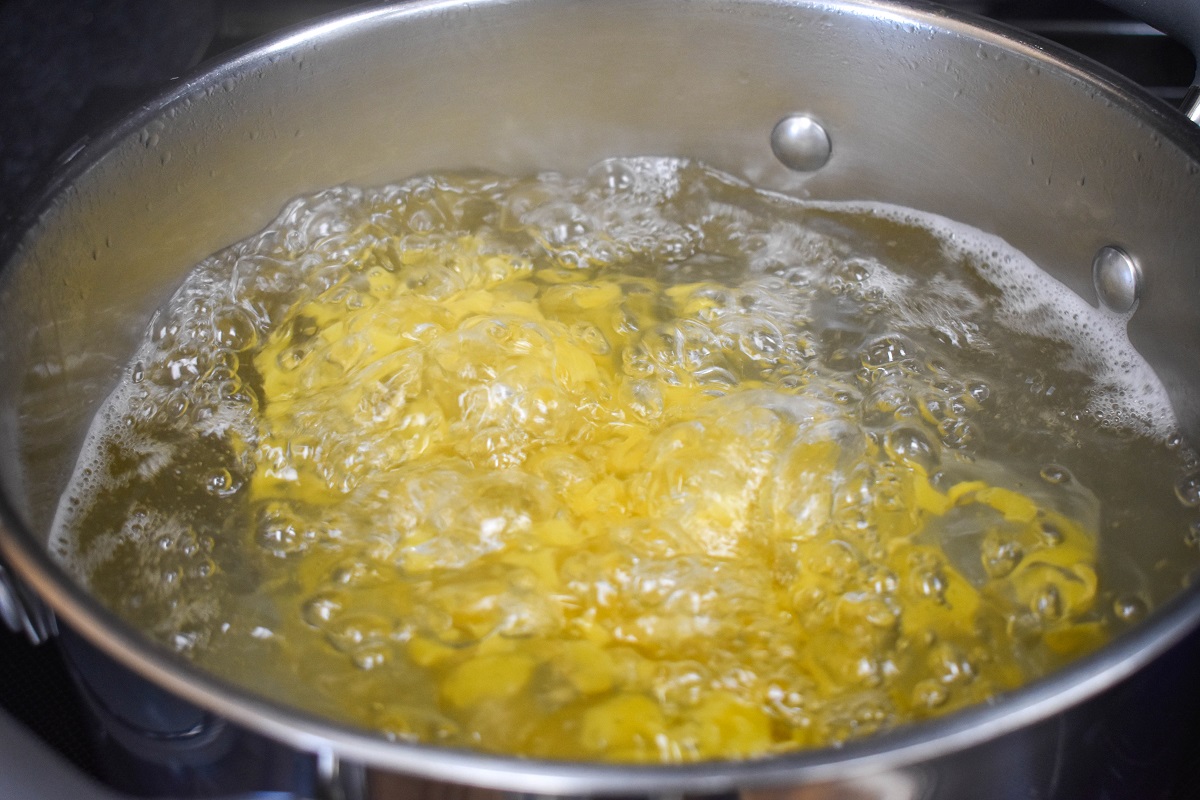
point(1126, 392)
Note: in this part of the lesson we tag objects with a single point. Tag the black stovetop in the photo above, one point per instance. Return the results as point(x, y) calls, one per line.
point(69, 66)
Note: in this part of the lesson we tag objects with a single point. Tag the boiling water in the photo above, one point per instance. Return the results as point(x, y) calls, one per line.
point(646, 465)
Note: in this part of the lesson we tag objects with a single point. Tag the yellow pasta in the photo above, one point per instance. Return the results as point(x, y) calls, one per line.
point(599, 528)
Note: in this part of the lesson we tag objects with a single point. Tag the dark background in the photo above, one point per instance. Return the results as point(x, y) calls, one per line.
point(68, 67)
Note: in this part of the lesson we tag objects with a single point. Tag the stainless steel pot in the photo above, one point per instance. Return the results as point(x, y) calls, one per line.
point(919, 107)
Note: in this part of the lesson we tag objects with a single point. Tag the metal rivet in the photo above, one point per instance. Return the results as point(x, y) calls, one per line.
point(1117, 278)
point(801, 143)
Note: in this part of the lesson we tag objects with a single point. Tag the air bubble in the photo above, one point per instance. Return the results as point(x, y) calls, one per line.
point(1192, 537)
point(222, 483)
point(911, 445)
point(176, 405)
point(1047, 603)
point(233, 328)
point(370, 658)
point(1130, 608)
point(930, 694)
point(292, 357)
point(614, 176)
point(357, 633)
point(1055, 474)
point(592, 338)
point(887, 350)
point(281, 532)
point(1187, 489)
point(949, 665)
point(853, 271)
point(1051, 535)
point(932, 584)
point(1000, 557)
point(350, 573)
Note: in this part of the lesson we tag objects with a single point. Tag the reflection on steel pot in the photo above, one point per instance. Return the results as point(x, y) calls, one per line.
point(908, 105)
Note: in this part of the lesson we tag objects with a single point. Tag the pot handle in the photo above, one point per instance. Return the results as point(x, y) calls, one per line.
point(23, 611)
point(1179, 19)
point(30, 770)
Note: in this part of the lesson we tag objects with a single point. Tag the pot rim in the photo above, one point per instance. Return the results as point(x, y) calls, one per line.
point(907, 745)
